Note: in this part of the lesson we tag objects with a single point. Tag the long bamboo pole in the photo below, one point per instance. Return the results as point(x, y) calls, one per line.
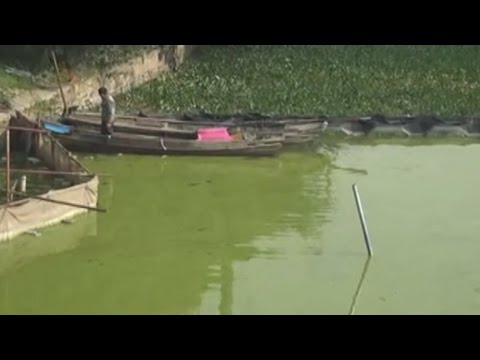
point(53, 172)
point(27, 129)
point(59, 83)
point(61, 202)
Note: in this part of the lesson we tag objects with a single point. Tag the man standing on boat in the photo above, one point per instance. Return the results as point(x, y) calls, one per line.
point(108, 111)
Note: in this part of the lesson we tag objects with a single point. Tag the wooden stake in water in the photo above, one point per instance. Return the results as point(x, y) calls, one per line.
point(362, 220)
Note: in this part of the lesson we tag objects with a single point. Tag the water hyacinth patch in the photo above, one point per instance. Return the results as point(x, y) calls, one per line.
point(319, 80)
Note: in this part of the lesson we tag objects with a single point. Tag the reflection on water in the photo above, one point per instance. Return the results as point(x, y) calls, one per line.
point(359, 287)
point(175, 228)
point(26, 249)
point(267, 236)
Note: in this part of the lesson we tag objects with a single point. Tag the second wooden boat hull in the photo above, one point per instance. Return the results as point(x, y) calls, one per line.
point(93, 142)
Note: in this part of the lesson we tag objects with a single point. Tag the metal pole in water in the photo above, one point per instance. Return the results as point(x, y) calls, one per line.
point(362, 220)
point(7, 164)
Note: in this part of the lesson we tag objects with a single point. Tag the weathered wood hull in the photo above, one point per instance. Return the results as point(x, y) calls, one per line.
point(91, 141)
point(258, 119)
point(287, 134)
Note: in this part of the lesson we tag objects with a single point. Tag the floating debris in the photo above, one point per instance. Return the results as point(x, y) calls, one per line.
point(33, 160)
point(33, 233)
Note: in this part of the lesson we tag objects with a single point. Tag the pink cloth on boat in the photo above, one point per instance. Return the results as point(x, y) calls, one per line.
point(214, 134)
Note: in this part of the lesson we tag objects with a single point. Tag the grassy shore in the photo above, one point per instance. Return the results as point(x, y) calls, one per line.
point(314, 79)
point(9, 82)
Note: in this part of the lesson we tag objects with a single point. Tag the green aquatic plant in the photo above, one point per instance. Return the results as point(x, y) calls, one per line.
point(319, 80)
point(4, 102)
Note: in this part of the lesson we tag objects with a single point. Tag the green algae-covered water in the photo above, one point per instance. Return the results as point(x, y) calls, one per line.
point(262, 236)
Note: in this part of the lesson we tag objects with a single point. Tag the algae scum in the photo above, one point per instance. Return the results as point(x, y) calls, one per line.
point(279, 235)
point(282, 236)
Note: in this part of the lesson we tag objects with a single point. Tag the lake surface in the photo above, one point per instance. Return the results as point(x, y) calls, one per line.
point(188, 235)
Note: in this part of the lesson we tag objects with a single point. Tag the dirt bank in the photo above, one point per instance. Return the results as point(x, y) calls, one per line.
point(82, 92)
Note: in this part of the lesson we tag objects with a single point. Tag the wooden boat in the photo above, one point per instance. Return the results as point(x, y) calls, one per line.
point(399, 125)
point(131, 126)
point(246, 118)
point(193, 122)
point(286, 134)
point(84, 140)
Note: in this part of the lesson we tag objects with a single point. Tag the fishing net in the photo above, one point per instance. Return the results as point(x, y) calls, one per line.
point(31, 213)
